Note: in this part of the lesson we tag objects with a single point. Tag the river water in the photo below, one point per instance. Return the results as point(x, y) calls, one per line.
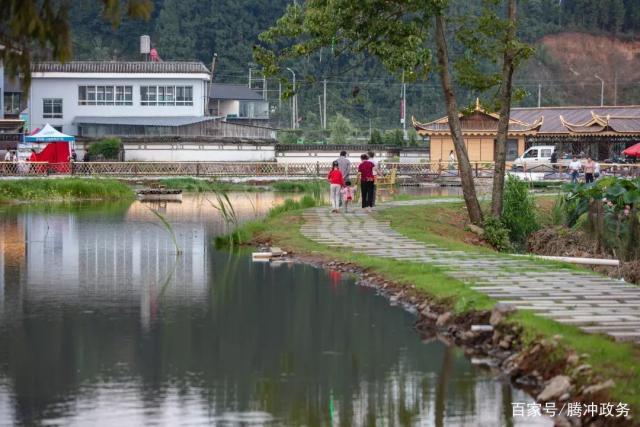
point(101, 323)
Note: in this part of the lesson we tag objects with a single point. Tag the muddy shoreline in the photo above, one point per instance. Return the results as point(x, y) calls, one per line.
point(488, 338)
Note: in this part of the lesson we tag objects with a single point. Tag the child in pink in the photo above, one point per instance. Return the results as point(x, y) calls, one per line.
point(347, 195)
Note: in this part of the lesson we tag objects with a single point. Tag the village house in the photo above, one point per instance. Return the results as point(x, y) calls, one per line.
point(88, 98)
point(601, 132)
point(238, 103)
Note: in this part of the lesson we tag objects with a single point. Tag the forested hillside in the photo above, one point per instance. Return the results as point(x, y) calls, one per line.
point(602, 42)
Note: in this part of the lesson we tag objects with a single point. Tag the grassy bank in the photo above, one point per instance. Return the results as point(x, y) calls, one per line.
point(42, 189)
point(202, 185)
point(608, 359)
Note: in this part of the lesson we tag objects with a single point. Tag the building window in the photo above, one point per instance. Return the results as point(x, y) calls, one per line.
point(166, 95)
point(12, 102)
point(105, 95)
point(52, 108)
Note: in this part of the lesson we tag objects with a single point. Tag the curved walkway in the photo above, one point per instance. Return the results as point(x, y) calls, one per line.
point(591, 302)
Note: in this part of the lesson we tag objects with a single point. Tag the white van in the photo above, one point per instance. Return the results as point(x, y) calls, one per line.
point(535, 156)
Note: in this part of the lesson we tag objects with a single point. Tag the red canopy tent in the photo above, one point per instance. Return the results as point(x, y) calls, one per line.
point(633, 151)
point(57, 149)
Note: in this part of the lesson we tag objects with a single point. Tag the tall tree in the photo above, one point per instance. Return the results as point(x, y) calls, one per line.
point(44, 24)
point(464, 166)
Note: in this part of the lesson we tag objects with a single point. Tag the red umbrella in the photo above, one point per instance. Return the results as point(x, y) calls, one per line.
point(633, 151)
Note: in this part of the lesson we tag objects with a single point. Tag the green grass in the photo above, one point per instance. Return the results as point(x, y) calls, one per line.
point(441, 224)
point(609, 359)
point(54, 189)
point(204, 185)
point(310, 186)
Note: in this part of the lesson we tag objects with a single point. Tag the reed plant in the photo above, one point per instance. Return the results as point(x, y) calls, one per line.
point(169, 228)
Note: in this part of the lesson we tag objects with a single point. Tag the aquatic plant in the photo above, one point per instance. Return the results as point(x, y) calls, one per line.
point(169, 228)
point(46, 189)
point(227, 211)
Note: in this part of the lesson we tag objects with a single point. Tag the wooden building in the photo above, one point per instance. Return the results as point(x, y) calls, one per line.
point(602, 132)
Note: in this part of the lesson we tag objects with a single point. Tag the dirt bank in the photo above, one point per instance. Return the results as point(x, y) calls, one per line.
point(564, 241)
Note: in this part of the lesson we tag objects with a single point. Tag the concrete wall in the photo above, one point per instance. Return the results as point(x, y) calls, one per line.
point(193, 152)
point(67, 90)
point(308, 156)
point(479, 148)
point(229, 108)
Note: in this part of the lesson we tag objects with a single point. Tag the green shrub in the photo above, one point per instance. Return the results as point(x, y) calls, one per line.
point(105, 149)
point(376, 137)
point(518, 211)
point(496, 234)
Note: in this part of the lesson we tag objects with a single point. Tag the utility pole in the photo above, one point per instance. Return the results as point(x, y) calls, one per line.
point(294, 102)
point(539, 93)
point(601, 89)
point(403, 107)
point(249, 77)
point(404, 110)
point(265, 93)
point(324, 113)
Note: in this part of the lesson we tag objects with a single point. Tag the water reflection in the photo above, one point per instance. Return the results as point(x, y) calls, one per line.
point(101, 324)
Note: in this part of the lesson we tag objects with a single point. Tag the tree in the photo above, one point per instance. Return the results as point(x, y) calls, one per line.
point(44, 24)
point(341, 130)
point(376, 137)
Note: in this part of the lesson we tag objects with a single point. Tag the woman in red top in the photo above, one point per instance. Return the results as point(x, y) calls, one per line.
point(336, 181)
point(366, 182)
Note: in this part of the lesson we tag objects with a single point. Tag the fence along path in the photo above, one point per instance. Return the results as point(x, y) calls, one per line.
point(422, 171)
point(591, 302)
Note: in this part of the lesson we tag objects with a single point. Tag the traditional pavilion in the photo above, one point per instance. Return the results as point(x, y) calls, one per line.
point(602, 132)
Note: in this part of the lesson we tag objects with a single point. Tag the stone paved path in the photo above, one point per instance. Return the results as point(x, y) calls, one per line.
point(591, 302)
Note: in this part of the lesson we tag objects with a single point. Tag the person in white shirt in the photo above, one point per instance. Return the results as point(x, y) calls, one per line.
point(596, 170)
point(574, 169)
point(7, 156)
point(452, 160)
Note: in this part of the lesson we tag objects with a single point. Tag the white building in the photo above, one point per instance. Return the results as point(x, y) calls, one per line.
point(237, 102)
point(73, 96)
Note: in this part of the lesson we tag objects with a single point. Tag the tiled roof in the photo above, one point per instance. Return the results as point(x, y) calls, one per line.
point(621, 119)
point(142, 121)
point(119, 67)
point(549, 120)
point(233, 92)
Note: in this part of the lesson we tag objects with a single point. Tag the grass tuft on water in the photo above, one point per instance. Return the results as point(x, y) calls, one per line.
point(204, 185)
point(53, 189)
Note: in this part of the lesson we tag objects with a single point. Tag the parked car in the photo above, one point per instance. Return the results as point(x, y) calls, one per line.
point(537, 156)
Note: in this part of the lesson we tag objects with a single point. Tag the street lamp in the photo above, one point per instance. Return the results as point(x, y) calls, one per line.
point(294, 102)
point(601, 89)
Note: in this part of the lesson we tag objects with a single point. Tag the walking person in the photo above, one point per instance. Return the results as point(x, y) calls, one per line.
point(554, 160)
point(347, 195)
point(589, 170)
point(344, 164)
point(376, 173)
point(366, 182)
point(452, 160)
point(574, 169)
point(335, 184)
